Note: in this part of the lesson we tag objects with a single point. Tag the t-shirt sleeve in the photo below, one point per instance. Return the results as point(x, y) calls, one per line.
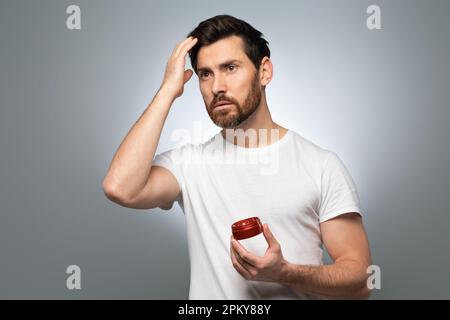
point(174, 160)
point(338, 191)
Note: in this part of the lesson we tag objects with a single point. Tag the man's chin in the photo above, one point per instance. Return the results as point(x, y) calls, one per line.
point(228, 125)
point(224, 123)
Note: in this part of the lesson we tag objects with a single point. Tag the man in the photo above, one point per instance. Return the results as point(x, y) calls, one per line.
point(308, 197)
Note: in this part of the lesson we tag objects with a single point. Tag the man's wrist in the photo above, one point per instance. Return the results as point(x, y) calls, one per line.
point(292, 275)
point(166, 93)
point(286, 273)
point(162, 100)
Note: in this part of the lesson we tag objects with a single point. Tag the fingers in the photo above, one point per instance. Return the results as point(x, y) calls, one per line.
point(185, 46)
point(179, 44)
point(238, 266)
point(248, 267)
point(244, 254)
point(175, 50)
point(270, 238)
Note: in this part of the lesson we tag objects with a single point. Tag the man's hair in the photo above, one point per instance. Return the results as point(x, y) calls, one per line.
point(223, 26)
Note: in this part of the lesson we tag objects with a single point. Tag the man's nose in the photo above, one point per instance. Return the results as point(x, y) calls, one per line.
point(219, 84)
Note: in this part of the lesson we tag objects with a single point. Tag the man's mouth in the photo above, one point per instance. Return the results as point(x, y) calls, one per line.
point(221, 103)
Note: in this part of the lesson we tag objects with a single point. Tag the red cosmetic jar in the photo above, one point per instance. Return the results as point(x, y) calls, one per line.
point(246, 228)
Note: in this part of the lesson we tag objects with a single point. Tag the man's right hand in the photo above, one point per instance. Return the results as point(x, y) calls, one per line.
point(175, 76)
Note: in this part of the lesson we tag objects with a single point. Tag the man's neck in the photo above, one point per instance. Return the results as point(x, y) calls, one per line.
point(257, 131)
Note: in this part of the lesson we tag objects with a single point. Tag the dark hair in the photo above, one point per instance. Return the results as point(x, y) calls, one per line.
point(223, 26)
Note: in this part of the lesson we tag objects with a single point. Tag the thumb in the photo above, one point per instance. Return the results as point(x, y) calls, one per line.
point(187, 75)
point(270, 238)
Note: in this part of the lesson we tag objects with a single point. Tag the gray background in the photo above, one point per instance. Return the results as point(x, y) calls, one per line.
point(379, 99)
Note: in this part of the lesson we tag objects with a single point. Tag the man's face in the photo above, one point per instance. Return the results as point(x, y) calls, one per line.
point(227, 74)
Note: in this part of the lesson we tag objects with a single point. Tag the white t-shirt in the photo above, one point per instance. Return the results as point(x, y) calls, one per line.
point(292, 185)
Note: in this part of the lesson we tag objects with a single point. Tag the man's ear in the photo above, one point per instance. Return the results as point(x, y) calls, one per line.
point(265, 71)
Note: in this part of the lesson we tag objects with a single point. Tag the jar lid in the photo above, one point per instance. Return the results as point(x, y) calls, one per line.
point(246, 228)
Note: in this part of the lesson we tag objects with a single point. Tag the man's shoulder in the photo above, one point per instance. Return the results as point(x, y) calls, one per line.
point(310, 149)
point(190, 148)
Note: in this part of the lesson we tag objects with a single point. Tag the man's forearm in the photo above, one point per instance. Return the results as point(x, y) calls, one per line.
point(341, 280)
point(131, 165)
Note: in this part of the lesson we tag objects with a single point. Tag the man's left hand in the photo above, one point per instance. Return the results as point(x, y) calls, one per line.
point(269, 267)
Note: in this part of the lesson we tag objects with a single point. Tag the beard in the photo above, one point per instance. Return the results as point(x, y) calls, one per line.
point(234, 115)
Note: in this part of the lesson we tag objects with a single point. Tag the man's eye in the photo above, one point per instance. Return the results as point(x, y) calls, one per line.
point(204, 75)
point(231, 67)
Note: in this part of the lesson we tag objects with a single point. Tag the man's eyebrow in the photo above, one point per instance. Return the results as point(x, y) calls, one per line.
point(221, 66)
